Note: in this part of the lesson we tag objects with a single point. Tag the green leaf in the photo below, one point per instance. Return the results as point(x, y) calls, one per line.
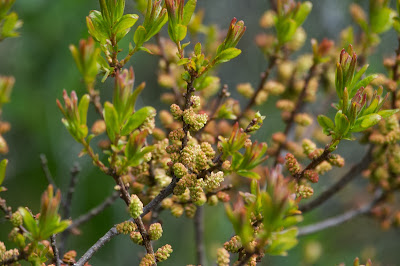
point(188, 11)
point(9, 24)
point(227, 54)
point(248, 174)
point(119, 9)
point(183, 61)
point(29, 221)
point(3, 166)
point(83, 108)
point(383, 113)
point(342, 124)
point(381, 19)
point(137, 119)
point(285, 30)
point(180, 32)
point(124, 25)
point(302, 13)
point(140, 35)
point(282, 242)
point(366, 122)
point(111, 120)
point(325, 122)
point(362, 83)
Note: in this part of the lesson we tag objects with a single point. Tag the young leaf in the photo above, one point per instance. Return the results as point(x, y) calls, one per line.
point(227, 55)
point(137, 119)
point(3, 166)
point(188, 11)
point(83, 108)
point(111, 120)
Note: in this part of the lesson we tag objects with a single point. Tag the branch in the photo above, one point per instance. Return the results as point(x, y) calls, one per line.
point(94, 212)
point(396, 75)
point(335, 221)
point(339, 185)
point(199, 235)
point(47, 173)
point(55, 250)
point(298, 107)
point(100, 243)
point(71, 189)
point(264, 77)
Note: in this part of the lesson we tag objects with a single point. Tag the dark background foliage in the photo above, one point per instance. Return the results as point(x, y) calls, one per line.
point(42, 65)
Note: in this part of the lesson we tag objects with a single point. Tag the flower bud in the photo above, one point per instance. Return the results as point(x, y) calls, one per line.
point(323, 167)
point(222, 257)
point(163, 253)
point(304, 191)
point(212, 200)
point(190, 210)
point(16, 219)
point(135, 207)
point(177, 210)
point(136, 237)
point(167, 203)
point(69, 257)
point(292, 164)
point(308, 146)
point(303, 119)
point(148, 260)
point(126, 227)
point(233, 245)
point(285, 105)
point(155, 231)
point(176, 111)
point(245, 89)
point(268, 19)
point(311, 175)
point(99, 127)
point(274, 87)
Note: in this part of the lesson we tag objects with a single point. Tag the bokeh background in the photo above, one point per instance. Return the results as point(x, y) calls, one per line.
point(42, 65)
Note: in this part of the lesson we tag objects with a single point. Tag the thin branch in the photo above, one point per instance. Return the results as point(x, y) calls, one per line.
point(113, 231)
point(71, 189)
point(199, 235)
point(339, 185)
point(395, 78)
point(218, 102)
point(46, 170)
point(53, 244)
point(264, 77)
point(335, 221)
point(298, 107)
point(94, 212)
point(100, 243)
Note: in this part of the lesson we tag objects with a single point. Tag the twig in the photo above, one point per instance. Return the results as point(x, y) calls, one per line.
point(71, 189)
point(199, 235)
point(315, 162)
point(220, 99)
point(47, 173)
point(113, 231)
point(339, 185)
point(264, 77)
point(94, 212)
point(298, 107)
point(396, 74)
point(335, 221)
point(55, 250)
point(100, 243)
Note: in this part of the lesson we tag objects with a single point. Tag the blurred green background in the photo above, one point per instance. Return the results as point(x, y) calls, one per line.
point(42, 65)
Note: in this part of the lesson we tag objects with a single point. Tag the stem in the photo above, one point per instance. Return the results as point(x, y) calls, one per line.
point(113, 231)
point(55, 250)
point(95, 98)
point(396, 74)
point(199, 235)
point(46, 170)
point(335, 221)
point(264, 77)
point(67, 204)
point(315, 162)
point(93, 212)
point(299, 105)
point(100, 243)
point(71, 189)
point(339, 185)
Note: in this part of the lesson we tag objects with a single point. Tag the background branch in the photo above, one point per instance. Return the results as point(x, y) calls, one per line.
point(339, 185)
point(335, 221)
point(199, 235)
